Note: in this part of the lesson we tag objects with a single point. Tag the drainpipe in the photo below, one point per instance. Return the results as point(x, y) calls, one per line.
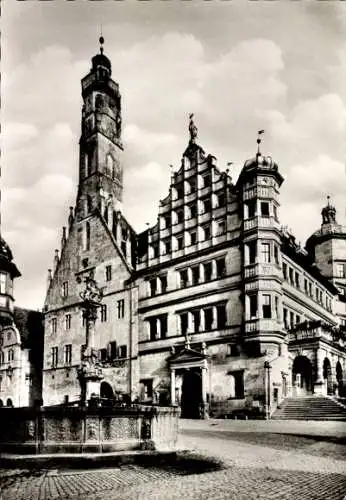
point(267, 369)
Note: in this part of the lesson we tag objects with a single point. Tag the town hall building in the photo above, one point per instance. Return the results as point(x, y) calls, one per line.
point(215, 307)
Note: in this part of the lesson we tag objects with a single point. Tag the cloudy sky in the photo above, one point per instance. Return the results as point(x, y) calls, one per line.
point(238, 65)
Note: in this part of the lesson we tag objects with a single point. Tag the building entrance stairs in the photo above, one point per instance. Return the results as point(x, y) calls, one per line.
point(310, 408)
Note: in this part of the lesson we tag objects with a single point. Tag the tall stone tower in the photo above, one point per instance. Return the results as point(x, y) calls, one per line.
point(100, 167)
point(259, 184)
point(327, 248)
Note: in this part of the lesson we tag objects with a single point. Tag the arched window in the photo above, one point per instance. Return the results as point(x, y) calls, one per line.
point(10, 355)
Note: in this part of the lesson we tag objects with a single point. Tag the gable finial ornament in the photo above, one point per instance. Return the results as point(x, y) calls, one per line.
point(193, 130)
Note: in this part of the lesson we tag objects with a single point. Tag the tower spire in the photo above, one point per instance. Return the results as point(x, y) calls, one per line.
point(259, 140)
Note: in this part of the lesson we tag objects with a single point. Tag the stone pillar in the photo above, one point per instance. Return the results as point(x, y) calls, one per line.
point(173, 401)
point(201, 273)
point(189, 276)
point(158, 285)
point(319, 383)
point(189, 322)
point(213, 270)
point(214, 325)
point(158, 328)
point(204, 384)
point(201, 320)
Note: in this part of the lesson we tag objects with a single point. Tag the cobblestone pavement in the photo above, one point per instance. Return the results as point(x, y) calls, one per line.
point(257, 465)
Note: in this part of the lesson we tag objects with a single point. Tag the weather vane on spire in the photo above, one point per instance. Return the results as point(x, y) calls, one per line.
point(259, 140)
point(102, 41)
point(192, 129)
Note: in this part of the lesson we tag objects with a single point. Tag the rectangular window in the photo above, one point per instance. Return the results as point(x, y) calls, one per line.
point(251, 205)
point(206, 233)
point(221, 200)
point(121, 308)
point(221, 228)
point(153, 287)
point(195, 275)
point(297, 279)
point(3, 283)
point(340, 272)
point(180, 242)
point(306, 285)
point(166, 221)
point(297, 319)
point(192, 185)
point(193, 238)
point(275, 210)
point(183, 276)
point(68, 354)
point(290, 273)
point(221, 317)
point(285, 318)
point(291, 319)
point(193, 210)
point(265, 252)
point(54, 356)
point(153, 328)
point(253, 306)
point(196, 321)
point(207, 206)
point(207, 271)
point(206, 180)
point(264, 209)
point(208, 319)
point(233, 350)
point(252, 252)
point(65, 289)
point(112, 350)
point(108, 273)
point(123, 351)
point(183, 323)
point(54, 325)
point(180, 216)
point(221, 267)
point(179, 191)
point(103, 354)
point(276, 254)
point(163, 326)
point(267, 310)
point(167, 247)
point(103, 313)
point(155, 248)
point(237, 384)
point(163, 280)
point(284, 270)
point(147, 389)
point(310, 289)
point(68, 322)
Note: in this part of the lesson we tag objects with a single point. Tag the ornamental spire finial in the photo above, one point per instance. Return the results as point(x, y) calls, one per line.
point(193, 130)
point(259, 140)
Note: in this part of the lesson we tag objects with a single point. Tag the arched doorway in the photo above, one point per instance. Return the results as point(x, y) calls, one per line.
point(106, 391)
point(191, 394)
point(302, 376)
point(339, 378)
point(9, 403)
point(327, 376)
point(1, 403)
